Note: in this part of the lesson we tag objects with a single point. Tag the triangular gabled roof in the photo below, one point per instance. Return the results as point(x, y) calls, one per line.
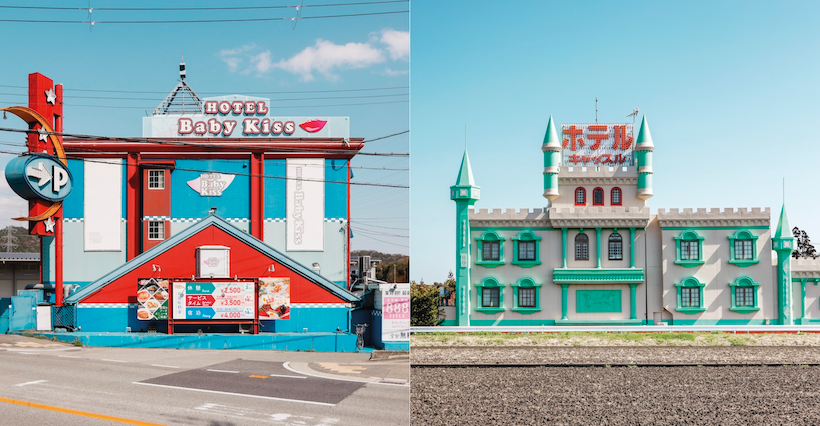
point(465, 174)
point(218, 222)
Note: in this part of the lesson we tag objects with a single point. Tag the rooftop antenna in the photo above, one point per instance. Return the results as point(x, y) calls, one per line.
point(634, 114)
point(596, 110)
point(182, 68)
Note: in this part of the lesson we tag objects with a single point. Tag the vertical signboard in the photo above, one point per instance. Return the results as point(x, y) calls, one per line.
point(274, 298)
point(395, 306)
point(593, 144)
point(305, 204)
point(103, 205)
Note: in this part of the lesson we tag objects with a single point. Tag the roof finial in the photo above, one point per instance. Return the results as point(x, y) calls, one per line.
point(182, 68)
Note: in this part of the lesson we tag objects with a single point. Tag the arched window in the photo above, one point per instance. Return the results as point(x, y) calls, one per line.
point(616, 196)
point(597, 197)
point(616, 247)
point(581, 247)
point(580, 197)
point(689, 249)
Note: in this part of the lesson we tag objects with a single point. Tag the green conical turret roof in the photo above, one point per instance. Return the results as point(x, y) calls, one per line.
point(465, 174)
point(783, 228)
point(551, 137)
point(644, 139)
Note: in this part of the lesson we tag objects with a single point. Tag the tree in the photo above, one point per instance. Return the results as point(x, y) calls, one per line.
point(424, 309)
point(804, 247)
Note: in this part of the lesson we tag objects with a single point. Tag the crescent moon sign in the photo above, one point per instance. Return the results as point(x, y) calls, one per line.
point(31, 116)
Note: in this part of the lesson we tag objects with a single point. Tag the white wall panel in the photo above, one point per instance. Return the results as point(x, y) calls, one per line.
point(306, 204)
point(103, 205)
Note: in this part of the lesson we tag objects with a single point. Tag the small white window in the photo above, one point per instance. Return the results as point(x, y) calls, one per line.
point(156, 179)
point(156, 230)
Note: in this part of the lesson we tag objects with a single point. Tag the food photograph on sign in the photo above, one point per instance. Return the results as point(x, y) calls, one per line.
point(152, 300)
point(274, 298)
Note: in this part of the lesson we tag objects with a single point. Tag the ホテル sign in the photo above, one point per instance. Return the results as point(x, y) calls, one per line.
point(593, 144)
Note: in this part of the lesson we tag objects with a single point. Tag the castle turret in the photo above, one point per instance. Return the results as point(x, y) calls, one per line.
point(643, 159)
point(552, 161)
point(465, 194)
point(783, 243)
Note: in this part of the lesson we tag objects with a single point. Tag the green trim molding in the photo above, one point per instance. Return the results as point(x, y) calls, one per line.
point(745, 282)
point(689, 235)
point(489, 236)
point(526, 282)
point(598, 276)
point(601, 322)
point(526, 235)
point(489, 283)
point(743, 235)
point(598, 301)
point(690, 282)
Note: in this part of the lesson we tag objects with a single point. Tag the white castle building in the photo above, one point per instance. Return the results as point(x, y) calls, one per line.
point(596, 256)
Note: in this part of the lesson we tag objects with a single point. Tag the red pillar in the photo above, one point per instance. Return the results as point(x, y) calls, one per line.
point(257, 195)
point(132, 207)
point(348, 225)
point(58, 254)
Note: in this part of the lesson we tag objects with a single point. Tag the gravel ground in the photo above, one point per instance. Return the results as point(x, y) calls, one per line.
point(616, 355)
point(615, 396)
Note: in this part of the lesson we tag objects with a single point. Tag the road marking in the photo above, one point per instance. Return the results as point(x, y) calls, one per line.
point(237, 394)
point(68, 356)
point(289, 368)
point(222, 371)
point(113, 360)
point(166, 366)
point(31, 383)
point(29, 353)
point(78, 413)
point(287, 376)
point(258, 377)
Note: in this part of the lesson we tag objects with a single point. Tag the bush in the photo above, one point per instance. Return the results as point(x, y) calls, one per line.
point(424, 309)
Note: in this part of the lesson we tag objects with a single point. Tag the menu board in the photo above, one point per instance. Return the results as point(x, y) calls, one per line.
point(152, 299)
point(214, 300)
point(274, 298)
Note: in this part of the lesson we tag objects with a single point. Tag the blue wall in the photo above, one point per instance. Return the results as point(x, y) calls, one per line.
point(187, 203)
point(276, 189)
point(335, 193)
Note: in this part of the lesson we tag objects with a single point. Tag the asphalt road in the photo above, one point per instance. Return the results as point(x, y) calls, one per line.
point(196, 387)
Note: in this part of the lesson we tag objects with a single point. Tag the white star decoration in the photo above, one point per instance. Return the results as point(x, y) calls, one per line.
point(51, 97)
point(43, 134)
point(49, 223)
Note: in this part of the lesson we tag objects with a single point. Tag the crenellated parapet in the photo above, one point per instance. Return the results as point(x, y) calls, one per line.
point(599, 217)
point(714, 217)
point(497, 218)
point(806, 269)
point(605, 175)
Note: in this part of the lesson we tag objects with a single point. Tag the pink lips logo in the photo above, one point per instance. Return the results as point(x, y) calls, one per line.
point(313, 126)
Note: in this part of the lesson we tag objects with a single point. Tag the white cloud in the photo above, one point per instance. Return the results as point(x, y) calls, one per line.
point(261, 62)
point(395, 73)
point(398, 43)
point(233, 57)
point(324, 57)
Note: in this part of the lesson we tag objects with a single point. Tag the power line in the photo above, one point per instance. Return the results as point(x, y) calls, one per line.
point(269, 106)
point(120, 98)
point(383, 241)
point(200, 21)
point(153, 9)
point(250, 93)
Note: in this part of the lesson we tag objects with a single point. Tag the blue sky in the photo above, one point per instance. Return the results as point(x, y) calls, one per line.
point(730, 90)
point(249, 58)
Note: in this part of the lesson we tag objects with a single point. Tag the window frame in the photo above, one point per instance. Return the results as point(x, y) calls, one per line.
point(609, 246)
point(598, 190)
point(620, 196)
point(526, 282)
point(160, 229)
point(161, 179)
point(690, 282)
point(689, 235)
point(489, 236)
point(576, 242)
point(743, 235)
point(584, 192)
point(745, 282)
point(489, 282)
point(526, 236)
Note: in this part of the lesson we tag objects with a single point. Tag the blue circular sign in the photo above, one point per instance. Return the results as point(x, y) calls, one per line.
point(39, 176)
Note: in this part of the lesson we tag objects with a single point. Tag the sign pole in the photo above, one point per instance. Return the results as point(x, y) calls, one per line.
point(58, 254)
